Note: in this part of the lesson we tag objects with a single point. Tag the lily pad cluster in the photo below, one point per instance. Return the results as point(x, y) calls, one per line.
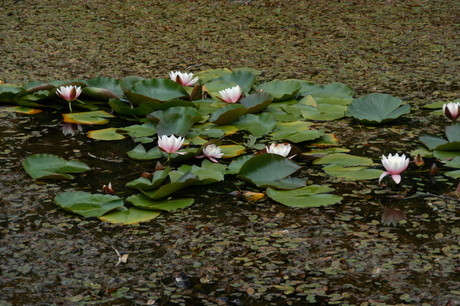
point(279, 111)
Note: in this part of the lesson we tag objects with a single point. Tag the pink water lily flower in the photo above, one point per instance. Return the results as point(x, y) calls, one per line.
point(231, 95)
point(394, 165)
point(451, 110)
point(185, 79)
point(212, 152)
point(282, 149)
point(170, 144)
point(69, 93)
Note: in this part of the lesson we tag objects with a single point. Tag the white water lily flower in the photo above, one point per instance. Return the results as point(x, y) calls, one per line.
point(212, 152)
point(394, 166)
point(451, 110)
point(185, 79)
point(170, 144)
point(231, 95)
point(282, 149)
point(69, 93)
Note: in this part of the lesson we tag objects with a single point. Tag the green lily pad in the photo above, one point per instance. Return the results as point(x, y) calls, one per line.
point(232, 150)
point(453, 132)
point(98, 94)
point(111, 88)
point(280, 90)
point(445, 155)
point(48, 166)
point(95, 117)
point(257, 125)
point(227, 114)
point(296, 131)
point(349, 167)
point(440, 144)
point(256, 102)
point(130, 216)
point(210, 74)
point(127, 83)
point(155, 90)
point(184, 181)
point(140, 153)
point(156, 116)
point(212, 130)
point(106, 134)
point(352, 173)
point(269, 169)
point(244, 79)
point(344, 159)
point(324, 112)
point(334, 93)
point(453, 174)
point(305, 197)
point(136, 131)
point(175, 124)
point(87, 204)
point(208, 173)
point(144, 202)
point(143, 183)
point(432, 142)
point(377, 108)
point(21, 109)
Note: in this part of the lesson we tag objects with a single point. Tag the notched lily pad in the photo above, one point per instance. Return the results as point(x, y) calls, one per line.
point(95, 117)
point(106, 134)
point(144, 202)
point(309, 196)
point(48, 166)
point(377, 108)
point(87, 204)
point(270, 170)
point(280, 90)
point(227, 114)
point(130, 216)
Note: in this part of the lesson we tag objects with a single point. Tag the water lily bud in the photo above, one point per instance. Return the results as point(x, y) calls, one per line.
point(451, 110)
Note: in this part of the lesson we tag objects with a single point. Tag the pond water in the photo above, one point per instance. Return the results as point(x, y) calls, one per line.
point(382, 245)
